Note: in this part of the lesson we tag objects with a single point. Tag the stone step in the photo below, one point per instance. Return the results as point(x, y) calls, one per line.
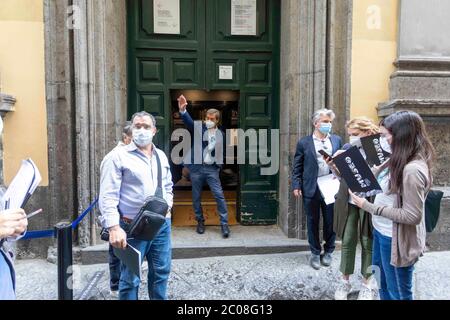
point(187, 244)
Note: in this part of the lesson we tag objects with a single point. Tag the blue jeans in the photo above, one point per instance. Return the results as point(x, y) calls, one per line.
point(159, 255)
point(114, 270)
point(210, 174)
point(312, 207)
point(394, 283)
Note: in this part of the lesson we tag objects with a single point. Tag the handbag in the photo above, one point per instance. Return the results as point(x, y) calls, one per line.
point(432, 209)
point(152, 215)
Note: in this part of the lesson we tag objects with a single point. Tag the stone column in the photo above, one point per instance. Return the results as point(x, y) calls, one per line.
point(315, 57)
point(100, 95)
point(421, 83)
point(422, 80)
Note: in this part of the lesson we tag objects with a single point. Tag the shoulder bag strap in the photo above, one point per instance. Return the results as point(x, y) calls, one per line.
point(159, 192)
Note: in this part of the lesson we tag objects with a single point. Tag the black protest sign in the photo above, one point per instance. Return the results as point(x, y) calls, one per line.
point(372, 147)
point(356, 173)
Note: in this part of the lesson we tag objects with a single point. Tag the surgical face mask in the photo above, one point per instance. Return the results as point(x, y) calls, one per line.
point(210, 124)
point(142, 137)
point(325, 128)
point(355, 141)
point(385, 145)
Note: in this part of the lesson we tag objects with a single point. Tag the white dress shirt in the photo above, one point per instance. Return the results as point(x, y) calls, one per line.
point(322, 144)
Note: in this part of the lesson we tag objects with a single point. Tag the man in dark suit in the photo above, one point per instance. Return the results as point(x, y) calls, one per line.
point(205, 164)
point(309, 165)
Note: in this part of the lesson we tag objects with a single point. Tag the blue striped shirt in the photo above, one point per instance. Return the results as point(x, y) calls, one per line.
point(127, 178)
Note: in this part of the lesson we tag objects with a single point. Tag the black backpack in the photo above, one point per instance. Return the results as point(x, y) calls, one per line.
point(432, 209)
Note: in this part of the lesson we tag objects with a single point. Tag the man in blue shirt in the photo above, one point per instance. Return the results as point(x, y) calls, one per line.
point(114, 262)
point(205, 163)
point(128, 178)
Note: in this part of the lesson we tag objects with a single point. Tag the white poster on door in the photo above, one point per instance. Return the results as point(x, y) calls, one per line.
point(225, 72)
point(243, 17)
point(166, 16)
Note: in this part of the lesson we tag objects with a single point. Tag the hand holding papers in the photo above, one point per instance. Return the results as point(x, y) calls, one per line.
point(355, 171)
point(22, 186)
point(329, 187)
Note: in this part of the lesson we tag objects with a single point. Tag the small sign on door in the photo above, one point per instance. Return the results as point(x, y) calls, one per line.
point(225, 72)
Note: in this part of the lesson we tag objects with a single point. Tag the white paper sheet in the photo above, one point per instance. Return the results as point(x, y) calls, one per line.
point(166, 16)
point(329, 187)
point(243, 17)
point(22, 186)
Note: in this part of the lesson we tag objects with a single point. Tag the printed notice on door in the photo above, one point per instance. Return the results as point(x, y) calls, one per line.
point(166, 16)
point(226, 72)
point(243, 17)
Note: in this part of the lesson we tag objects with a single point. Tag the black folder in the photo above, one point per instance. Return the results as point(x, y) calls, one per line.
point(356, 172)
point(131, 257)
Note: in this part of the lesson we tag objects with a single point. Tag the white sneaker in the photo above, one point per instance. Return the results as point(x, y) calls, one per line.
point(366, 293)
point(343, 289)
point(372, 283)
point(114, 294)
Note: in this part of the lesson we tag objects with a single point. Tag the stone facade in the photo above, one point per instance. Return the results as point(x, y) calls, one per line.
point(86, 84)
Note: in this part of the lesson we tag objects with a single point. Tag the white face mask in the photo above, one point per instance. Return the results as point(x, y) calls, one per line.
point(355, 141)
point(385, 145)
point(210, 124)
point(142, 137)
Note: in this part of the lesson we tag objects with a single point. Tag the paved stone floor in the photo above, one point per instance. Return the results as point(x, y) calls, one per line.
point(255, 277)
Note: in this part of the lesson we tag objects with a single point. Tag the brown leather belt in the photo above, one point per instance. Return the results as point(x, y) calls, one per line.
point(126, 220)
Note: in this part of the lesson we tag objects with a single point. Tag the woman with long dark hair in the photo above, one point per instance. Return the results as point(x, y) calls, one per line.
point(410, 180)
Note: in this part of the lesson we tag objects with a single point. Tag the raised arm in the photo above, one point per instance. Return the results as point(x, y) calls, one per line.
point(185, 116)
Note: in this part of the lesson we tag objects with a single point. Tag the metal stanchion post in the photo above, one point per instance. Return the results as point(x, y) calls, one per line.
point(63, 231)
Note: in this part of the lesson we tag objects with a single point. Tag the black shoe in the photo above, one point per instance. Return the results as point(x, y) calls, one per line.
point(200, 227)
point(225, 231)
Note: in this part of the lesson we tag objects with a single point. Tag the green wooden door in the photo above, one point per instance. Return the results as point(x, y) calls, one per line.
point(160, 62)
point(192, 60)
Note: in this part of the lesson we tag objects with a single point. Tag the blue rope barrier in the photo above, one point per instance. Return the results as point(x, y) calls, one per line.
point(38, 234)
point(81, 217)
point(51, 233)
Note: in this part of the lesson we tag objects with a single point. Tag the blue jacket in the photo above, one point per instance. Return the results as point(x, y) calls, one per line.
point(189, 122)
point(6, 274)
point(305, 167)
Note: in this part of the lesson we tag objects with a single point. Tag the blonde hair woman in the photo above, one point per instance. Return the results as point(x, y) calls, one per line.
point(350, 221)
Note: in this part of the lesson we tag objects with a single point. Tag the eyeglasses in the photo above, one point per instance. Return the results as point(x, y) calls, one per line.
point(324, 146)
